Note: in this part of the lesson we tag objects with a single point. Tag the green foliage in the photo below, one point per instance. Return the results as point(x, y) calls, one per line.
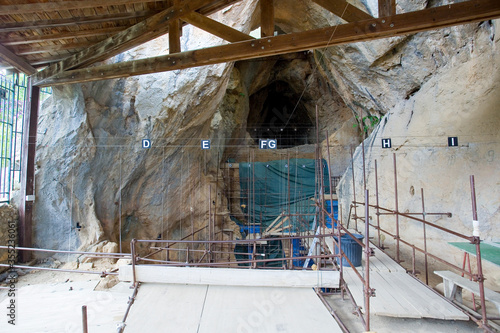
point(367, 123)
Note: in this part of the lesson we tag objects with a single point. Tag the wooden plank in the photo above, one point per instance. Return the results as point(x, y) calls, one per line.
point(386, 8)
point(142, 32)
point(215, 28)
point(344, 10)
point(469, 285)
point(265, 310)
point(438, 303)
point(274, 222)
point(17, 62)
point(384, 262)
point(43, 24)
point(427, 19)
point(279, 224)
point(231, 276)
point(400, 295)
point(56, 6)
point(266, 18)
point(19, 40)
point(167, 308)
point(384, 303)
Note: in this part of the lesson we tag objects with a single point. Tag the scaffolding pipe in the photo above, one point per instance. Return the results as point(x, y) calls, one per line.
point(425, 238)
point(477, 241)
point(396, 207)
point(367, 262)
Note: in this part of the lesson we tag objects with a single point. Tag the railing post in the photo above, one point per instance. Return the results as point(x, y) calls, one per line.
point(367, 261)
point(425, 239)
point(84, 319)
point(477, 241)
point(132, 251)
point(396, 207)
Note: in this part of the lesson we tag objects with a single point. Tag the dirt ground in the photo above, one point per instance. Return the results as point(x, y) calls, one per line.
point(58, 288)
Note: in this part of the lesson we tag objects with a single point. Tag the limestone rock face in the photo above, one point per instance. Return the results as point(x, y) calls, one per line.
point(96, 183)
point(94, 180)
point(461, 100)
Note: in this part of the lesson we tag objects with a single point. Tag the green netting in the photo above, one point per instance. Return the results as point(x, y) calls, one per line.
point(269, 189)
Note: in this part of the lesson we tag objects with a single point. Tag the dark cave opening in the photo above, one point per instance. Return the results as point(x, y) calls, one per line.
point(278, 112)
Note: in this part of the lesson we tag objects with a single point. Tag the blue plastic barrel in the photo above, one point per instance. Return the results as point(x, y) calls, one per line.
point(351, 248)
point(329, 210)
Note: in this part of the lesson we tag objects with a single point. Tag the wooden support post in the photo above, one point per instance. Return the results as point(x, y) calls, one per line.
point(174, 33)
point(267, 18)
point(174, 37)
point(28, 171)
point(386, 8)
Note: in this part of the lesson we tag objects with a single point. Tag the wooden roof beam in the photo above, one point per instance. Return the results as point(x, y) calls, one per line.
point(15, 61)
point(344, 10)
point(140, 33)
point(215, 28)
point(26, 8)
point(43, 24)
point(58, 36)
point(401, 24)
point(27, 50)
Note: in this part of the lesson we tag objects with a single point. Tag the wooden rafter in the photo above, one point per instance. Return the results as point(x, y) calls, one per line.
point(27, 50)
point(26, 8)
point(267, 18)
point(43, 24)
point(215, 28)
point(431, 18)
point(344, 10)
point(60, 36)
point(140, 33)
point(16, 61)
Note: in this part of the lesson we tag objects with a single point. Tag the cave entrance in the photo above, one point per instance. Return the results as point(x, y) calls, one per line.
point(277, 112)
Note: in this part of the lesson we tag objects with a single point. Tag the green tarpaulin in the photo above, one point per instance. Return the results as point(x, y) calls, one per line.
point(270, 188)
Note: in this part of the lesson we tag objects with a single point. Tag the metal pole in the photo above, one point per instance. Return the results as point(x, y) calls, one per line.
point(354, 193)
point(377, 202)
point(84, 319)
point(253, 195)
point(367, 262)
point(397, 207)
point(425, 239)
point(364, 165)
point(336, 230)
point(477, 241)
point(209, 223)
point(132, 250)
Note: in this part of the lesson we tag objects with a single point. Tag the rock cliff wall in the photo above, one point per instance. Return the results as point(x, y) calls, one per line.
point(95, 183)
point(461, 99)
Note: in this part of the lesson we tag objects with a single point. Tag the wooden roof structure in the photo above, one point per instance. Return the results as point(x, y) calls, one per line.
point(55, 41)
